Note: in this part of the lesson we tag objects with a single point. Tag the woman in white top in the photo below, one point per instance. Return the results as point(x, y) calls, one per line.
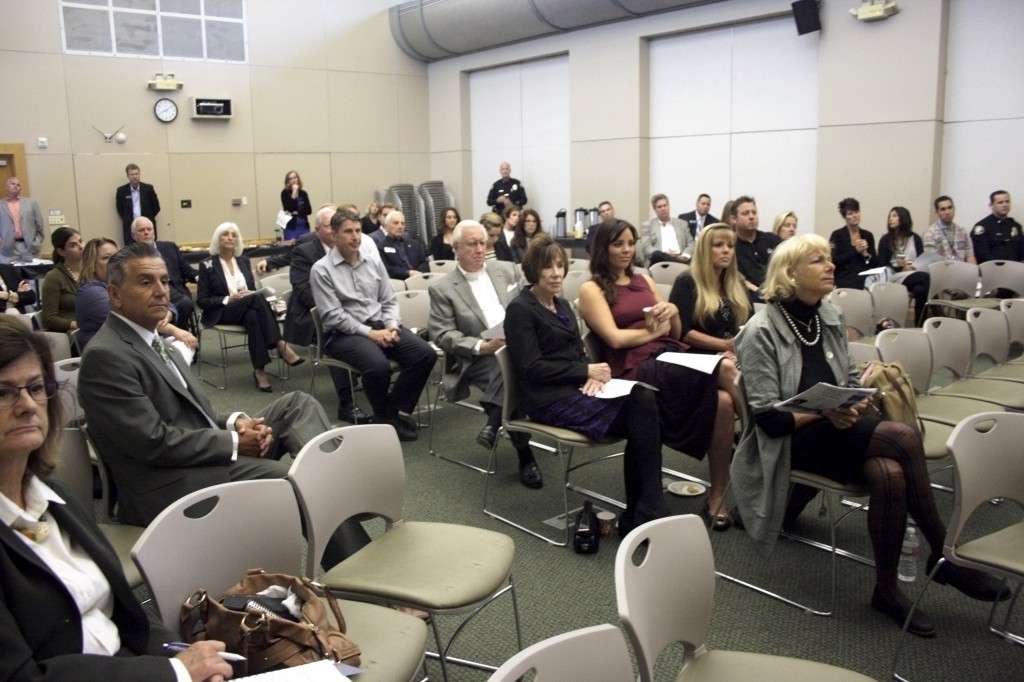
point(228, 295)
point(66, 610)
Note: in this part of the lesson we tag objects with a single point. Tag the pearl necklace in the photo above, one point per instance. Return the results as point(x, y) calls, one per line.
point(815, 322)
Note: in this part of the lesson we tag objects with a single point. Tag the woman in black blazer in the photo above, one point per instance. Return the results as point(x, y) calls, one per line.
point(55, 564)
point(295, 200)
point(558, 383)
point(853, 249)
point(228, 295)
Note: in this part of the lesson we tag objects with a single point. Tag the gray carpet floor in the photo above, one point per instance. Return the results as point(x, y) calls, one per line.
point(559, 590)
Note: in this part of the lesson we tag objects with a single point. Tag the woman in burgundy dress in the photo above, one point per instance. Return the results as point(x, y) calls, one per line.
point(627, 312)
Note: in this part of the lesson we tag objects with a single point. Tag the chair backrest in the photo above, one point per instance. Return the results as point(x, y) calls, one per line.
point(595, 654)
point(572, 282)
point(510, 405)
point(951, 344)
point(579, 264)
point(989, 464)
point(318, 326)
point(890, 299)
point(990, 335)
point(1002, 274)
point(74, 472)
point(344, 472)
point(209, 539)
point(863, 352)
point(912, 349)
point(414, 309)
point(398, 285)
point(677, 569)
point(594, 346)
point(422, 280)
point(666, 272)
point(952, 275)
point(443, 266)
point(60, 345)
point(24, 319)
point(66, 372)
point(858, 309)
point(1013, 308)
point(281, 283)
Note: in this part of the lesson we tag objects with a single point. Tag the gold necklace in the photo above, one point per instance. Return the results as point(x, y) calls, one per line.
point(807, 325)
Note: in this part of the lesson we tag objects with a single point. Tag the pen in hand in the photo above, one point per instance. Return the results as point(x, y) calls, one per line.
point(178, 647)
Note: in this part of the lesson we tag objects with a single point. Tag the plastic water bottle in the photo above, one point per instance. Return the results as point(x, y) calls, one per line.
point(907, 569)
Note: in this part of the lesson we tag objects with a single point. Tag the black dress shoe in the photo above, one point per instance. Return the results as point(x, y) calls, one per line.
point(529, 475)
point(264, 389)
point(975, 584)
point(405, 433)
point(897, 609)
point(409, 422)
point(486, 437)
point(353, 415)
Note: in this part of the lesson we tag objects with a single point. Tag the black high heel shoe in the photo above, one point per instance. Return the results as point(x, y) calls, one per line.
point(265, 389)
point(298, 362)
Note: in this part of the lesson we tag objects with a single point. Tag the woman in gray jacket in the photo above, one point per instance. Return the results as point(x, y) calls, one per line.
point(798, 341)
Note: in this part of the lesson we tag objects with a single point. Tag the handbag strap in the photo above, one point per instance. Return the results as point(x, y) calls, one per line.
point(332, 601)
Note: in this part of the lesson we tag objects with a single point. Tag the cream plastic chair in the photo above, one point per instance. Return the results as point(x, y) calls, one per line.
point(572, 282)
point(443, 266)
point(280, 282)
point(422, 280)
point(666, 272)
point(1013, 308)
point(890, 299)
point(595, 654)
point(989, 463)
point(440, 568)
point(60, 345)
point(951, 350)
point(1001, 274)
point(66, 372)
point(217, 534)
point(75, 474)
point(858, 310)
point(990, 336)
point(956, 276)
point(581, 264)
point(566, 442)
point(668, 596)
point(398, 285)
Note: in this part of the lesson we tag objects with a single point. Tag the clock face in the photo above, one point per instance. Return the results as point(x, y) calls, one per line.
point(166, 110)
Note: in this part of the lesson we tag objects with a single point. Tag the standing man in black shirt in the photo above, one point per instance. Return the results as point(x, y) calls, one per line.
point(506, 191)
point(998, 236)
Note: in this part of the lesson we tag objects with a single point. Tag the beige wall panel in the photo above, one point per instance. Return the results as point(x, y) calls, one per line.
point(362, 124)
point(211, 181)
point(413, 168)
point(99, 175)
point(228, 81)
point(358, 38)
point(451, 167)
point(31, 26)
point(288, 34)
point(356, 176)
point(609, 87)
point(882, 165)
point(882, 71)
point(30, 115)
point(448, 95)
point(413, 114)
point(289, 110)
point(607, 170)
point(314, 169)
point(108, 92)
point(53, 187)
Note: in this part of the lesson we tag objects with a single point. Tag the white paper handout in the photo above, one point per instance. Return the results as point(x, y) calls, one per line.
point(616, 388)
point(824, 396)
point(699, 361)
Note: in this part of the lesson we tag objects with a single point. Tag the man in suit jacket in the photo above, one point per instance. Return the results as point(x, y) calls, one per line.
point(134, 199)
point(14, 292)
point(179, 271)
point(463, 305)
point(403, 254)
point(699, 218)
point(21, 225)
point(298, 323)
point(148, 416)
point(663, 238)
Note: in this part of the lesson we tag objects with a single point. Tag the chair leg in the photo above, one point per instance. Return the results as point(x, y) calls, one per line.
point(489, 470)
point(1004, 632)
point(906, 623)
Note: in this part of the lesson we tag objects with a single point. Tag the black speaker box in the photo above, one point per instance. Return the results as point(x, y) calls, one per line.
point(805, 12)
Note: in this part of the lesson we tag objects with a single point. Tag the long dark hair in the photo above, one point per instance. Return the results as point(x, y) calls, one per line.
point(520, 238)
point(906, 226)
point(600, 268)
point(58, 239)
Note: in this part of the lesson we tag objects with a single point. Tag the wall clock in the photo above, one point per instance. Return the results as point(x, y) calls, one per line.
point(166, 110)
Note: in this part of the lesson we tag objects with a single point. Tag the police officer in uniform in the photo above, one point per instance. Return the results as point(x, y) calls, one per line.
point(998, 236)
point(506, 191)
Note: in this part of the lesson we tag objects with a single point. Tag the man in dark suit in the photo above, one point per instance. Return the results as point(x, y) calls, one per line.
point(150, 420)
point(135, 199)
point(699, 218)
point(403, 255)
point(298, 323)
point(178, 269)
point(463, 305)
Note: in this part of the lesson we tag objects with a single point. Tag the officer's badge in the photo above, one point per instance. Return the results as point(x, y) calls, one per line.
point(979, 230)
point(1014, 231)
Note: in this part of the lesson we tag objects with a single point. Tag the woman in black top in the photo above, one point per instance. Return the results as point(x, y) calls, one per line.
point(853, 249)
point(898, 248)
point(295, 200)
point(526, 229)
point(371, 221)
point(441, 243)
point(558, 383)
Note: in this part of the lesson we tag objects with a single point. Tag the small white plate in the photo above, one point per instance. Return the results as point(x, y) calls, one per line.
point(686, 489)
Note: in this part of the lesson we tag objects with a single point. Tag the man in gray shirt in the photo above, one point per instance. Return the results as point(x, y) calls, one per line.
point(355, 300)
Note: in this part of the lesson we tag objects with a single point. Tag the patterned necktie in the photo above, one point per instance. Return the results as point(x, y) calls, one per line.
point(161, 350)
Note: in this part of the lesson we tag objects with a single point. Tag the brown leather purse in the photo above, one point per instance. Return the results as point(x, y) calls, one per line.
point(269, 641)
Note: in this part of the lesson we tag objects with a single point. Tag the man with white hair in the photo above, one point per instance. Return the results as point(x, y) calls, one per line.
point(463, 305)
point(179, 271)
point(403, 254)
point(506, 191)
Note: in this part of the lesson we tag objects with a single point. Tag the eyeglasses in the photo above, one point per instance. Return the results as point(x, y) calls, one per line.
point(474, 243)
point(41, 391)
